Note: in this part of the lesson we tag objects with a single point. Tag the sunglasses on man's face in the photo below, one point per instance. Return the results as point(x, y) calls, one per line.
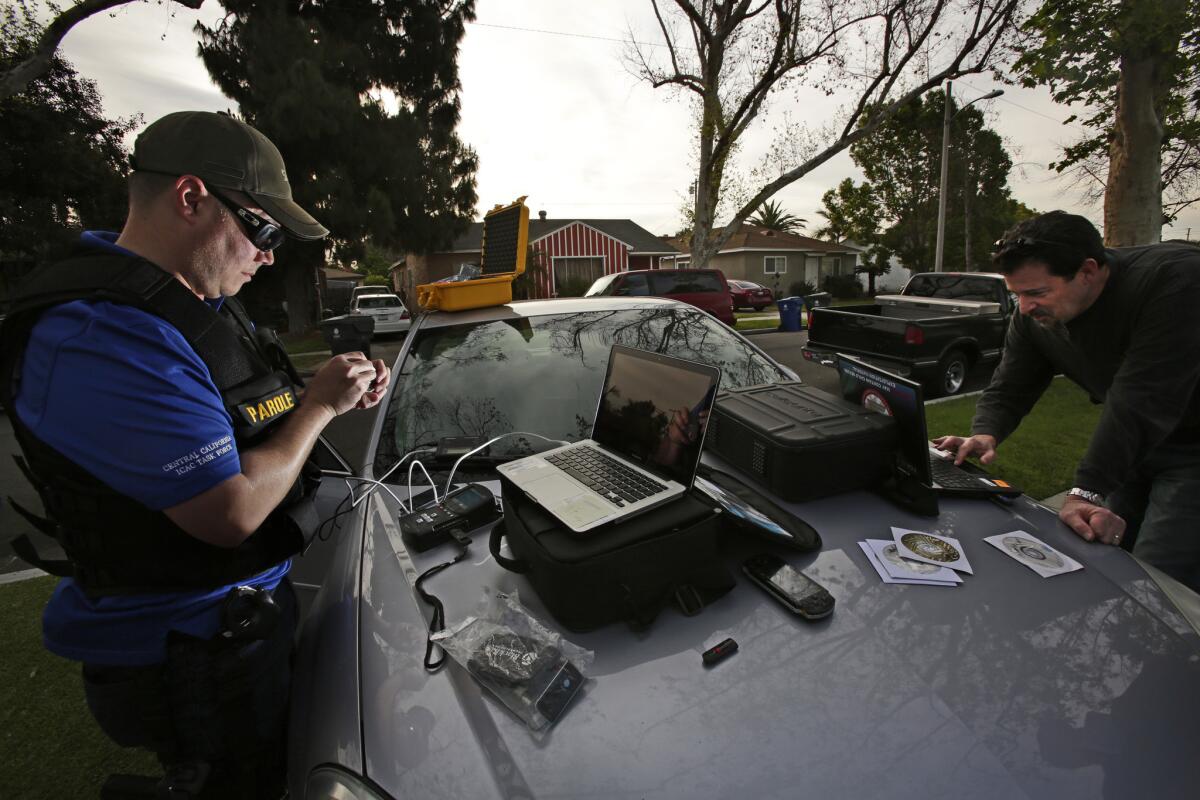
point(1003, 246)
point(262, 233)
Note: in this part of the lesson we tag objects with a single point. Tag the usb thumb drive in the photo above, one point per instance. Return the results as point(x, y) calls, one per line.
point(719, 652)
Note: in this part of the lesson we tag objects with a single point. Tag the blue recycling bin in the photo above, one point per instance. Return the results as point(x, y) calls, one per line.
point(789, 313)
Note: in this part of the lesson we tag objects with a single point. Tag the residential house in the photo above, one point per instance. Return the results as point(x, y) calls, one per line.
point(775, 259)
point(575, 252)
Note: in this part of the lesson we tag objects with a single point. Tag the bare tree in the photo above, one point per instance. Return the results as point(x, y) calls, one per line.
point(14, 80)
point(734, 56)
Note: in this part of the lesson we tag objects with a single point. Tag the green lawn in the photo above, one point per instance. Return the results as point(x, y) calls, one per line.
point(49, 746)
point(1041, 456)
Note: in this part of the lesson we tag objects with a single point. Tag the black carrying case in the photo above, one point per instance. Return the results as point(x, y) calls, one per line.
point(800, 442)
point(624, 572)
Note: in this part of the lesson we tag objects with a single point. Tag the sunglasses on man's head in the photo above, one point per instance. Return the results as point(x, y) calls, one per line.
point(262, 233)
point(1002, 246)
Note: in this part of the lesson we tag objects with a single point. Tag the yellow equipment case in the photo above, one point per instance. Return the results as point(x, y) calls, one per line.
point(505, 243)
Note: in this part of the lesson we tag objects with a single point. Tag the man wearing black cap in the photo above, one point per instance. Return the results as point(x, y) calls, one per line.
point(1122, 324)
point(168, 439)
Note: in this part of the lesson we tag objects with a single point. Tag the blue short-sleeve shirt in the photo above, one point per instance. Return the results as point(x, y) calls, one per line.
point(121, 393)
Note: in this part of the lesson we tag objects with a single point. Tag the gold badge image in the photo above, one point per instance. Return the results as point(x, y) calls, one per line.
point(930, 547)
point(920, 567)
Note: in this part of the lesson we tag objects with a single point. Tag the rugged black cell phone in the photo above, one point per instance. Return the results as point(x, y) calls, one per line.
point(463, 509)
point(799, 593)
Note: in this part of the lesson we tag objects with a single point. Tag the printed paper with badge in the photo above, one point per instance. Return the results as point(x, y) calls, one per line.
point(892, 568)
point(1033, 553)
point(932, 548)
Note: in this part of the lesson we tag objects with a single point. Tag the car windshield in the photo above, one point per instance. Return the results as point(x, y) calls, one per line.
point(601, 285)
point(378, 302)
point(541, 375)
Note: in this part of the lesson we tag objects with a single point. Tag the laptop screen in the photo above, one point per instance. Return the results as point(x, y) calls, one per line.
point(654, 411)
point(872, 388)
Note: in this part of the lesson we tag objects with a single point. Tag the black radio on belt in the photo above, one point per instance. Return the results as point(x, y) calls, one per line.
point(463, 510)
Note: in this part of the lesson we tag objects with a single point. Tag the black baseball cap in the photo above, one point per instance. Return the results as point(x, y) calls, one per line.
point(228, 154)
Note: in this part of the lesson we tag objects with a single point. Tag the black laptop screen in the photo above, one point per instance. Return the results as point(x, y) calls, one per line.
point(896, 397)
point(654, 411)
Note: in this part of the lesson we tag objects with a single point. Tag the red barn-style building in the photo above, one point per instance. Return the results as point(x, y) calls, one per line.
point(572, 254)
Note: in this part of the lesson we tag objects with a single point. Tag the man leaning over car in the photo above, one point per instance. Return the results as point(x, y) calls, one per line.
point(1121, 323)
point(168, 440)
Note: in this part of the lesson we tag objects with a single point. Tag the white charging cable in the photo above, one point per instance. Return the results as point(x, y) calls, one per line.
point(465, 456)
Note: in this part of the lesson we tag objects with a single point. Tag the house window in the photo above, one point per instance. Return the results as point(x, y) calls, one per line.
point(775, 265)
point(574, 276)
point(835, 265)
point(683, 264)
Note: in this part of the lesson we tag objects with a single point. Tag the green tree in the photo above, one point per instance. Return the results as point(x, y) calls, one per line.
point(361, 96)
point(902, 162)
point(1137, 72)
point(64, 161)
point(734, 58)
point(772, 217)
point(853, 212)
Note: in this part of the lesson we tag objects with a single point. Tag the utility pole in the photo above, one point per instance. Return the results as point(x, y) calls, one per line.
point(947, 118)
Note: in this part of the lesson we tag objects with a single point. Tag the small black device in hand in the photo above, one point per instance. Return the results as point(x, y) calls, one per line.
point(797, 592)
point(463, 509)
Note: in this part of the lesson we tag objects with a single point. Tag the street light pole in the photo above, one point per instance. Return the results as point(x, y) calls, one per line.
point(947, 118)
point(941, 228)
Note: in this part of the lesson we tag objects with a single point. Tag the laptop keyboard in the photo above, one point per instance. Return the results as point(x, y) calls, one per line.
point(606, 476)
point(945, 473)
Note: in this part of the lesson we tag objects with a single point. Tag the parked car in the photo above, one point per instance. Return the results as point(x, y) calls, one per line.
point(940, 326)
point(705, 289)
point(1009, 686)
point(388, 310)
point(748, 294)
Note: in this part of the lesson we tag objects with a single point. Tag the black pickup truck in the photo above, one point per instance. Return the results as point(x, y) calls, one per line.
point(939, 327)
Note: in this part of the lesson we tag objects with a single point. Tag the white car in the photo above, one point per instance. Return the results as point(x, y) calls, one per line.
point(388, 310)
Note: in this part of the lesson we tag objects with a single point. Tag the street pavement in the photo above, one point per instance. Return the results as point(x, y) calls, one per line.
point(350, 432)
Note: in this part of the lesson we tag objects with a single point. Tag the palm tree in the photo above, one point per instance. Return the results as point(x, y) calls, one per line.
point(772, 217)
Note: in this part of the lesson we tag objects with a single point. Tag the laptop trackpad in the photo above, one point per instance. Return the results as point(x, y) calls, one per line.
point(567, 500)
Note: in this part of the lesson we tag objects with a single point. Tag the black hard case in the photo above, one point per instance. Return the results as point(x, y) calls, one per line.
point(799, 442)
point(624, 572)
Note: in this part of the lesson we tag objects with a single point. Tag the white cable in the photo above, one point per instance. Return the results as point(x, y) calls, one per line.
point(464, 456)
point(416, 463)
point(375, 484)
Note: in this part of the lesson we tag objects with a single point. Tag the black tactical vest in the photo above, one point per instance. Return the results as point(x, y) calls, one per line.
point(115, 545)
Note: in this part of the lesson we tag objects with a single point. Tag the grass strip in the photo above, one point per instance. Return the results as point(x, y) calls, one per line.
point(49, 745)
point(1042, 454)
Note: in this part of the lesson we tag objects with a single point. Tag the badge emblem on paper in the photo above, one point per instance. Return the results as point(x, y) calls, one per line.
point(893, 568)
point(1033, 553)
point(941, 551)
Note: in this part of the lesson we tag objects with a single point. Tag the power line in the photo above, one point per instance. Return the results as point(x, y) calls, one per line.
point(1025, 108)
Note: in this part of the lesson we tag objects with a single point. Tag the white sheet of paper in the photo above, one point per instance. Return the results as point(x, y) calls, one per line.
point(1033, 553)
point(868, 550)
point(932, 548)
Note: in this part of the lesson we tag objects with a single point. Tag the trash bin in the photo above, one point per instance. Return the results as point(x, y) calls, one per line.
point(349, 333)
point(789, 313)
point(818, 300)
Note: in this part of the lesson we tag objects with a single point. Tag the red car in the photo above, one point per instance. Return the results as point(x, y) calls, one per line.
point(747, 294)
point(706, 289)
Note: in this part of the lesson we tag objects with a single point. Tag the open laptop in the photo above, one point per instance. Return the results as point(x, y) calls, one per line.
point(903, 400)
point(644, 449)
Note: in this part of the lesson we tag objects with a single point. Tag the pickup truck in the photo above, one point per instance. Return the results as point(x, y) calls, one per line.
point(935, 331)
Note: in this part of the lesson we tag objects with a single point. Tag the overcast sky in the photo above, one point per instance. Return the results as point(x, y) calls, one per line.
point(554, 113)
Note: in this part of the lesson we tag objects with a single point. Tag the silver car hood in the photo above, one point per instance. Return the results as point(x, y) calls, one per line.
point(1009, 686)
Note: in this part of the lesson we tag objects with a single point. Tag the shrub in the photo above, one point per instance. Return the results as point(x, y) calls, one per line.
point(801, 289)
point(377, 280)
point(842, 286)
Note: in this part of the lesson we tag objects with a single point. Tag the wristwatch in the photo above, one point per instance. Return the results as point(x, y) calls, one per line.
point(1095, 498)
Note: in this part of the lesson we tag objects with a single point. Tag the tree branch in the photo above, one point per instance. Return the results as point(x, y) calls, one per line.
point(15, 80)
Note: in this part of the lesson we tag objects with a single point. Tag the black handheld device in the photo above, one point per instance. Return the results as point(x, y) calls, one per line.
point(463, 510)
point(798, 593)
